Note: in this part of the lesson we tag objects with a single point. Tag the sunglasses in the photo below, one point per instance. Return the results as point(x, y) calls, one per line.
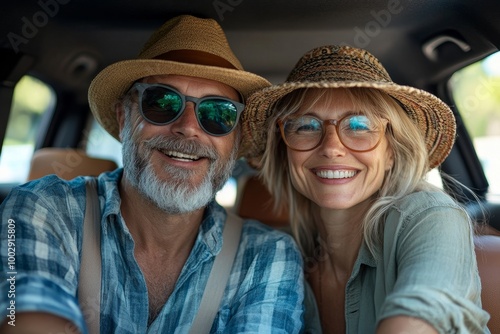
point(161, 105)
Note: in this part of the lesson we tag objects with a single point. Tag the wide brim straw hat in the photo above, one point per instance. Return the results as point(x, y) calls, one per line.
point(185, 45)
point(346, 67)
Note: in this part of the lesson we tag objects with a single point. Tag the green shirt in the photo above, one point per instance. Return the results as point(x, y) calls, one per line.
point(427, 269)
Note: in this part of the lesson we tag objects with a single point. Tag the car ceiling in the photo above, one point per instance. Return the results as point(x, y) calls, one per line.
point(268, 36)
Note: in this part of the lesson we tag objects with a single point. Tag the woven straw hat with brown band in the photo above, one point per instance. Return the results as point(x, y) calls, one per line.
point(184, 45)
point(345, 67)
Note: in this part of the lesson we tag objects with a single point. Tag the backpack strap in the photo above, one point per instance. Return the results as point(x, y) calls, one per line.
point(89, 283)
point(219, 275)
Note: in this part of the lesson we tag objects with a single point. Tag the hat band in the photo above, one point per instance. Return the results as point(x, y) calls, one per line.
point(196, 57)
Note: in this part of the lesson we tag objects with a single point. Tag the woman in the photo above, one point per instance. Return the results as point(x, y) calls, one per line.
point(347, 151)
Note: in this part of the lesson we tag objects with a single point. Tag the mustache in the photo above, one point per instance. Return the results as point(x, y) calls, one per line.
point(176, 143)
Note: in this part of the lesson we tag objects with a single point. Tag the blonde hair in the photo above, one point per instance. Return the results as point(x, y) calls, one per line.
point(406, 176)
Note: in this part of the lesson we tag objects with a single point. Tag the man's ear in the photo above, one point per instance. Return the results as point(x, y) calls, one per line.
point(120, 116)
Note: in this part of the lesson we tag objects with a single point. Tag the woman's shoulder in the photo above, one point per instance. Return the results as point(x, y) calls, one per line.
point(425, 206)
point(424, 203)
point(423, 200)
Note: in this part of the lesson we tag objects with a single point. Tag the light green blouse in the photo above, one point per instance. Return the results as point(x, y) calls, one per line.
point(427, 269)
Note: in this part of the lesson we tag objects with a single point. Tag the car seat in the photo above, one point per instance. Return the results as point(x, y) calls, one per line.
point(255, 202)
point(488, 262)
point(67, 163)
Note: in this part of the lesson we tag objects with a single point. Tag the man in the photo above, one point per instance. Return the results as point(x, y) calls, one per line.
point(175, 109)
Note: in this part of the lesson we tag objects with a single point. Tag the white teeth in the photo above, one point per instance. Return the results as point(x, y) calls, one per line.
point(181, 156)
point(335, 174)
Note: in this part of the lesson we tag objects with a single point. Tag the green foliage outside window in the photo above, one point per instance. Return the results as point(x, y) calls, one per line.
point(476, 91)
point(31, 99)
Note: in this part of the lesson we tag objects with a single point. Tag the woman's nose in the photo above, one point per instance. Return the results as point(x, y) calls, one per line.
point(331, 143)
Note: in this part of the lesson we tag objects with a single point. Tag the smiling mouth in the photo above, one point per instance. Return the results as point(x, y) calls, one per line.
point(181, 156)
point(336, 174)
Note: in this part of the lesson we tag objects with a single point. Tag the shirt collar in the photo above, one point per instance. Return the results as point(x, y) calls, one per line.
point(365, 257)
point(210, 232)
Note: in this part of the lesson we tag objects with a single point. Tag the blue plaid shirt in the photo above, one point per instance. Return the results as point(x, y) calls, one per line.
point(264, 293)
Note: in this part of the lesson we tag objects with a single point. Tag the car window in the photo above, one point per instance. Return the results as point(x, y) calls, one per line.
point(101, 144)
point(32, 99)
point(476, 92)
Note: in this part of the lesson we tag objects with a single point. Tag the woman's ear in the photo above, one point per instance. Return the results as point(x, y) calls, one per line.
point(389, 161)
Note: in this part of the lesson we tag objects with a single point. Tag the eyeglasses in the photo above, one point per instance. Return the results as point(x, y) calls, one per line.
point(161, 105)
point(359, 133)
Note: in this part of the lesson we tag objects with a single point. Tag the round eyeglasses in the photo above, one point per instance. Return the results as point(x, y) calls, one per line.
point(359, 133)
point(161, 105)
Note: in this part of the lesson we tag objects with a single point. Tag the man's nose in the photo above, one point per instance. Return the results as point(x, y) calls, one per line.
point(187, 124)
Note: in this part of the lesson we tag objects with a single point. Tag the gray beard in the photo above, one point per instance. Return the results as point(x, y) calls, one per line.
point(174, 196)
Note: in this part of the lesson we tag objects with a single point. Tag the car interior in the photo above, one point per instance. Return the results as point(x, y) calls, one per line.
point(52, 49)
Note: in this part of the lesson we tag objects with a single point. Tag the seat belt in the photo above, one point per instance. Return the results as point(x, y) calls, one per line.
point(89, 285)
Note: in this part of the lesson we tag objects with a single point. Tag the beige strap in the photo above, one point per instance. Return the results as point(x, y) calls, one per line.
point(219, 275)
point(89, 284)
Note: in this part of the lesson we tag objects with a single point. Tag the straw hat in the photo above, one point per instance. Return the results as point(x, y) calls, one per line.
point(184, 45)
point(343, 66)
